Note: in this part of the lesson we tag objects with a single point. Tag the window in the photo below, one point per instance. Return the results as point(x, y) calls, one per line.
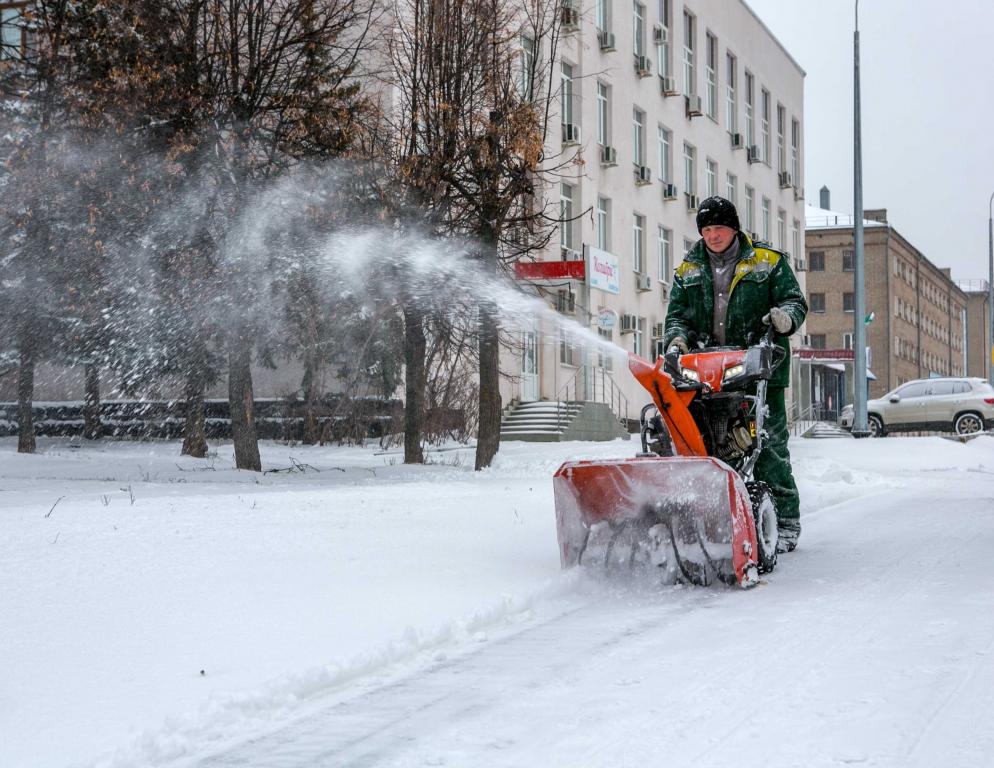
point(689, 169)
point(566, 92)
point(750, 209)
point(527, 86)
point(664, 251)
point(663, 49)
point(781, 144)
point(711, 75)
point(638, 136)
point(639, 29)
point(817, 302)
point(848, 261)
point(795, 151)
point(816, 261)
point(764, 125)
point(817, 341)
point(912, 390)
point(568, 352)
point(766, 219)
point(847, 341)
point(731, 184)
point(602, 15)
point(638, 344)
point(13, 38)
point(605, 361)
point(566, 216)
point(664, 141)
point(711, 177)
point(689, 63)
point(731, 103)
point(781, 229)
point(687, 245)
point(795, 239)
point(638, 243)
point(848, 302)
point(603, 112)
point(750, 122)
point(603, 233)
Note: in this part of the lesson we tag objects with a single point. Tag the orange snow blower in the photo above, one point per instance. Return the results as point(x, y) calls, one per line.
point(687, 505)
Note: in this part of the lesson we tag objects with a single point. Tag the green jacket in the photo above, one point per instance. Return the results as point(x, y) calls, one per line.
point(763, 279)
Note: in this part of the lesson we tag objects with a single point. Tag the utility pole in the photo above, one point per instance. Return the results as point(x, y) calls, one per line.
point(989, 330)
point(859, 427)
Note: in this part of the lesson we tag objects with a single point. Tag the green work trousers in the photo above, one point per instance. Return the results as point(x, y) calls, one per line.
point(773, 466)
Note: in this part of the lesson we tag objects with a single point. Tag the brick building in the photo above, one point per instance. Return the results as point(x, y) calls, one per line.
point(918, 326)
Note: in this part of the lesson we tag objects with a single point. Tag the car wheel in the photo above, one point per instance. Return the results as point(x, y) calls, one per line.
point(969, 424)
point(875, 425)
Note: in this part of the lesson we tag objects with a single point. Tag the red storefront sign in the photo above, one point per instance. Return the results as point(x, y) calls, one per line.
point(550, 270)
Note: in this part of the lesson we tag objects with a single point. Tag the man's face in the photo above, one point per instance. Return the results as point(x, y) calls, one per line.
point(717, 237)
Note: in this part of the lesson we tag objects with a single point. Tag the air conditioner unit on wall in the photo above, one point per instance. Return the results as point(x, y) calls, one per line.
point(786, 180)
point(606, 41)
point(643, 66)
point(571, 133)
point(568, 254)
point(629, 323)
point(669, 192)
point(737, 141)
point(609, 156)
point(643, 174)
point(659, 34)
point(668, 86)
point(692, 202)
point(658, 330)
point(695, 107)
point(643, 282)
point(753, 155)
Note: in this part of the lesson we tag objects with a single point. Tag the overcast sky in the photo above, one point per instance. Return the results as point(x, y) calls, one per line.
point(927, 84)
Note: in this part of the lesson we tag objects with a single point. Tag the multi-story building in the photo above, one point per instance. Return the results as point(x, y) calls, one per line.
point(916, 322)
point(662, 103)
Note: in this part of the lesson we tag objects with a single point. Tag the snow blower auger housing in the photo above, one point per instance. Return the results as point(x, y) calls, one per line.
point(687, 505)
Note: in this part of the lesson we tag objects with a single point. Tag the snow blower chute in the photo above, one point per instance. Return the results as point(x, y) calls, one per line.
point(687, 505)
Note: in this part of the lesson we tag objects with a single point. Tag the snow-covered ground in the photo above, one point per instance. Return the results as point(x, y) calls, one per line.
point(165, 611)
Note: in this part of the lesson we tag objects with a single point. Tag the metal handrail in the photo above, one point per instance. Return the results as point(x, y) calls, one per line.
point(608, 393)
point(806, 415)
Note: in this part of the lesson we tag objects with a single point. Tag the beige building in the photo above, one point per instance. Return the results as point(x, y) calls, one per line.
point(662, 104)
point(918, 314)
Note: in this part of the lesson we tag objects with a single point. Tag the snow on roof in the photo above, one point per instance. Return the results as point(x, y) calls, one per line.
point(822, 218)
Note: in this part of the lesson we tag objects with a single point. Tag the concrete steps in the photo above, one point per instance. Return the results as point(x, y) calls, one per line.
point(825, 429)
point(549, 421)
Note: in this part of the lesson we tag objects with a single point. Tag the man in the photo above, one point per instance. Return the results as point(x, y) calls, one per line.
point(727, 292)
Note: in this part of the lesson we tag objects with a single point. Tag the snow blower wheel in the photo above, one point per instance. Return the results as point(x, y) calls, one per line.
point(764, 513)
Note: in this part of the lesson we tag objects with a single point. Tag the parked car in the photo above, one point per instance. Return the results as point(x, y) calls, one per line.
point(961, 405)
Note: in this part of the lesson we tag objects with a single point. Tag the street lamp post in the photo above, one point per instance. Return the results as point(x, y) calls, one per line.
point(860, 428)
point(990, 291)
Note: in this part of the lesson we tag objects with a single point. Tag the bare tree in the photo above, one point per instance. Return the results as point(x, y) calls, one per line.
point(475, 85)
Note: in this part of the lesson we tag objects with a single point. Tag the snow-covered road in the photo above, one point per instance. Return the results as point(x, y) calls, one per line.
point(370, 614)
point(873, 645)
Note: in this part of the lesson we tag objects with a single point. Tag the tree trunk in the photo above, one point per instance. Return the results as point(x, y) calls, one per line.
point(415, 349)
point(194, 428)
point(92, 428)
point(241, 404)
point(488, 436)
point(309, 386)
point(25, 397)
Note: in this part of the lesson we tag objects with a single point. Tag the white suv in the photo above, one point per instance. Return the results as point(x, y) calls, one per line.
point(962, 405)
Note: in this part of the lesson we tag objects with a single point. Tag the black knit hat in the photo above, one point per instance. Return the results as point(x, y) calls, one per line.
point(716, 210)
